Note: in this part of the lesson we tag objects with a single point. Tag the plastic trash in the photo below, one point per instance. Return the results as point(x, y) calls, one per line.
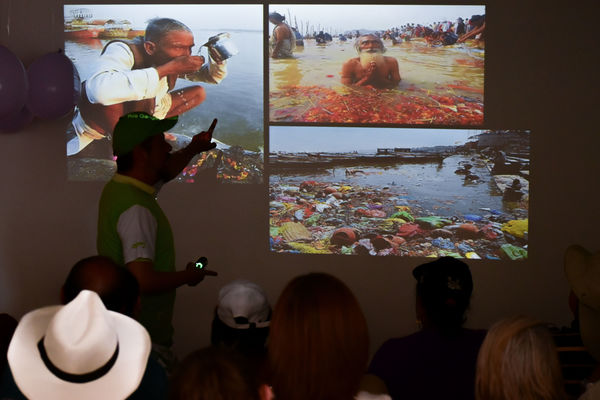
point(514, 252)
point(517, 227)
point(443, 243)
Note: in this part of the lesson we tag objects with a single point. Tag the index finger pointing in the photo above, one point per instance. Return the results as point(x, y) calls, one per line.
point(212, 126)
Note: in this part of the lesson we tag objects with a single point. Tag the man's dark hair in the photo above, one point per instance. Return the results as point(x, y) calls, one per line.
point(158, 27)
point(275, 16)
point(116, 286)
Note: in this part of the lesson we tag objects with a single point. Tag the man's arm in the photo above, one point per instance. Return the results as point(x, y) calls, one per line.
point(114, 81)
point(278, 40)
point(180, 159)
point(471, 34)
point(137, 230)
point(180, 65)
point(349, 73)
point(394, 76)
point(152, 281)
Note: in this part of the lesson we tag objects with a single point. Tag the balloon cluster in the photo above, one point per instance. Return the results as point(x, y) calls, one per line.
point(48, 89)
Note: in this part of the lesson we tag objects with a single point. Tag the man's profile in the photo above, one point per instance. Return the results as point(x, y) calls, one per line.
point(140, 75)
point(371, 67)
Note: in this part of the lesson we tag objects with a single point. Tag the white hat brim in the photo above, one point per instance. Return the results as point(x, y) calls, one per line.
point(36, 382)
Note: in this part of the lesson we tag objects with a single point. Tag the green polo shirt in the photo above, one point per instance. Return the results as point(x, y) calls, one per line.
point(133, 227)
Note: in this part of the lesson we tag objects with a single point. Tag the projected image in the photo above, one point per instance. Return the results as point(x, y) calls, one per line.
point(385, 64)
point(197, 61)
point(402, 192)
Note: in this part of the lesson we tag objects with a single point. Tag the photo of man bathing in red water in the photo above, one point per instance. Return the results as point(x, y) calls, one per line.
point(371, 67)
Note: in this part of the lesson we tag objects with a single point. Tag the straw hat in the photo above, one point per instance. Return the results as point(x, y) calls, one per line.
point(78, 351)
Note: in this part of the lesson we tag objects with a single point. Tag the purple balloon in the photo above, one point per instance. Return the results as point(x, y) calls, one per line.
point(13, 83)
point(54, 86)
point(16, 121)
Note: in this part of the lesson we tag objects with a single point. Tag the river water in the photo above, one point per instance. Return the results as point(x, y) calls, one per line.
point(433, 188)
point(455, 72)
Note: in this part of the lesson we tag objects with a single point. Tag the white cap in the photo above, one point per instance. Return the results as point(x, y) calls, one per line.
point(243, 305)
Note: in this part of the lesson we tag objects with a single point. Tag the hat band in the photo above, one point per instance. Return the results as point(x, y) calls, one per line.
point(76, 378)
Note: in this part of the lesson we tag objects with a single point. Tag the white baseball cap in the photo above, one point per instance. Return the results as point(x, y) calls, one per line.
point(243, 305)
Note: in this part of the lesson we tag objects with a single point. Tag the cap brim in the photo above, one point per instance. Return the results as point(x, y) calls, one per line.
point(165, 124)
point(36, 382)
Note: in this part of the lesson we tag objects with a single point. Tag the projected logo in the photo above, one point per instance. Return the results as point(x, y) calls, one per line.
point(197, 61)
point(402, 192)
point(377, 64)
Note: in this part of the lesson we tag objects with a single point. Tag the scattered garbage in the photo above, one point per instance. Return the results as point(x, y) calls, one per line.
point(306, 217)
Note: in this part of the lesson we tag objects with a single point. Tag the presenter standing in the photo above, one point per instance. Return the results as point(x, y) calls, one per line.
point(132, 228)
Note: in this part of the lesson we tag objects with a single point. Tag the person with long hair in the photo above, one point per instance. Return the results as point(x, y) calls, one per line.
point(214, 373)
point(439, 360)
point(318, 345)
point(518, 360)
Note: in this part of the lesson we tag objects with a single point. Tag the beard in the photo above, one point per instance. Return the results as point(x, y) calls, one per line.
point(372, 55)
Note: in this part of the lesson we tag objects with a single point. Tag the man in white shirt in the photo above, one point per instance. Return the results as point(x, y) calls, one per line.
point(140, 75)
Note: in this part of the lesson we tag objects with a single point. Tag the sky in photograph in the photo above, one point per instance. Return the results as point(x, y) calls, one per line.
point(195, 16)
point(293, 139)
point(341, 18)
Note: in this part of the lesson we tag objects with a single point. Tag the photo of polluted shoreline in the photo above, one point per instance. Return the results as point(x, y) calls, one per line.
point(399, 192)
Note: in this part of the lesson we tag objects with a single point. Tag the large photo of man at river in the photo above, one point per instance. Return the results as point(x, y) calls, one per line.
point(198, 62)
point(399, 191)
point(377, 64)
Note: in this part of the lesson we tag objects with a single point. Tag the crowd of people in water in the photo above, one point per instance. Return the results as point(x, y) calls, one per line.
point(436, 33)
point(439, 32)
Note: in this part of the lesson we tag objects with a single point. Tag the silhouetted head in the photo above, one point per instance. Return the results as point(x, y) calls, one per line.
point(116, 286)
point(444, 288)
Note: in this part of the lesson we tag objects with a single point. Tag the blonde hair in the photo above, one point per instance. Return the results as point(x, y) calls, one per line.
point(518, 361)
